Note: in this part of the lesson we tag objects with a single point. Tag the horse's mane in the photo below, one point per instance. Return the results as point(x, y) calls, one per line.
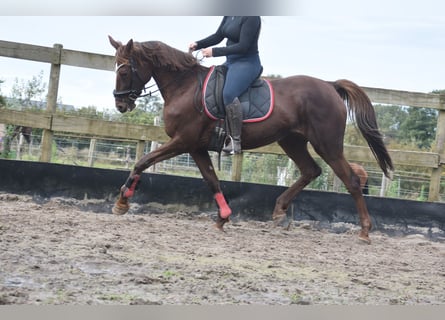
point(164, 56)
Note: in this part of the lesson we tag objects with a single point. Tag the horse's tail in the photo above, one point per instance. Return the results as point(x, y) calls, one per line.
point(361, 109)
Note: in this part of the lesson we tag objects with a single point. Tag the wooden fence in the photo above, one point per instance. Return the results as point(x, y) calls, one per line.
point(52, 122)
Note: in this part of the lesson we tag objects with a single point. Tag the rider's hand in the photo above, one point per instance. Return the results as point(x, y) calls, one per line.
point(207, 52)
point(192, 46)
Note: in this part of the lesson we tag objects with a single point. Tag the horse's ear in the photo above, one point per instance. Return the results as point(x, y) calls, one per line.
point(114, 43)
point(129, 47)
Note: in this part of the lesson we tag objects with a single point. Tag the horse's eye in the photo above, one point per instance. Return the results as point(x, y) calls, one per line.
point(124, 71)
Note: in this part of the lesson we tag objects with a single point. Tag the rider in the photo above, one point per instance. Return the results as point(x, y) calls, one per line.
point(242, 62)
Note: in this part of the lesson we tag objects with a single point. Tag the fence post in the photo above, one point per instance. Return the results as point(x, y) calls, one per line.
point(51, 102)
point(154, 144)
point(93, 143)
point(19, 147)
point(439, 147)
point(383, 186)
point(140, 147)
point(281, 175)
point(336, 183)
point(237, 166)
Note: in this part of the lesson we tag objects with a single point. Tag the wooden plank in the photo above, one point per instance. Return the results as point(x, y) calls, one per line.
point(364, 154)
point(88, 60)
point(406, 98)
point(399, 157)
point(271, 148)
point(27, 51)
point(47, 54)
point(63, 123)
point(28, 119)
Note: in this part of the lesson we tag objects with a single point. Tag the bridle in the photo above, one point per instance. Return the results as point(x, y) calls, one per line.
point(132, 93)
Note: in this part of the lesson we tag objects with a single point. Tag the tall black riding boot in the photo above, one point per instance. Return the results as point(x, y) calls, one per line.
point(234, 118)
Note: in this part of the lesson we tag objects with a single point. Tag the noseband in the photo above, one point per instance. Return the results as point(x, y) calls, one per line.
point(131, 93)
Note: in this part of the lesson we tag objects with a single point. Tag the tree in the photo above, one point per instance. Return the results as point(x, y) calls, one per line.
point(24, 94)
point(389, 119)
point(419, 127)
point(2, 104)
point(353, 136)
point(151, 104)
point(89, 112)
point(2, 100)
point(410, 126)
point(27, 94)
point(273, 76)
point(146, 110)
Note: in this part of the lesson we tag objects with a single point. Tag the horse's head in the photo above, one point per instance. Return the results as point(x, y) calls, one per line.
point(130, 80)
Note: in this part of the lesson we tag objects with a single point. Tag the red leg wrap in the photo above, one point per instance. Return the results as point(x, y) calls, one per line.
point(224, 209)
point(131, 186)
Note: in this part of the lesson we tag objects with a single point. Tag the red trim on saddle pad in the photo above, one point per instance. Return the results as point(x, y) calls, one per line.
point(204, 88)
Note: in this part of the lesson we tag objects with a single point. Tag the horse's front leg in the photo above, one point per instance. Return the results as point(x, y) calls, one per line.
point(122, 204)
point(204, 163)
point(166, 151)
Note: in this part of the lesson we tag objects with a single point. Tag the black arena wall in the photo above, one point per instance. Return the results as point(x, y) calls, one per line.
point(247, 200)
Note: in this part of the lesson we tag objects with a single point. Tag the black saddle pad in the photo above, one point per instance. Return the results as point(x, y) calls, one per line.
point(257, 102)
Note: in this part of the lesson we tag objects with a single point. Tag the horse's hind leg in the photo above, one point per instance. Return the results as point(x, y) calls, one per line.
point(296, 148)
point(352, 183)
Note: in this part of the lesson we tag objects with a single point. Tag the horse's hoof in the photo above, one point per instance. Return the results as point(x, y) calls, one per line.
point(279, 220)
point(219, 225)
point(120, 208)
point(364, 238)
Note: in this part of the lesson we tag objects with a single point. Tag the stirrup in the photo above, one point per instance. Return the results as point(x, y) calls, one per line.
point(230, 148)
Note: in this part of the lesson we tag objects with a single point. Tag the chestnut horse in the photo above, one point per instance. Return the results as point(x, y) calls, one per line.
point(306, 110)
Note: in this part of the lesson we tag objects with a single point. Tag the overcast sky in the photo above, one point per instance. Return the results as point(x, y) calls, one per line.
point(394, 52)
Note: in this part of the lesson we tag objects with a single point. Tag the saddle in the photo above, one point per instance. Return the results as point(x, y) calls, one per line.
point(256, 102)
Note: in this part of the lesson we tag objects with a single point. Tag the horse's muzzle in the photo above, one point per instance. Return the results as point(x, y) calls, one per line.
point(121, 107)
point(125, 100)
point(125, 106)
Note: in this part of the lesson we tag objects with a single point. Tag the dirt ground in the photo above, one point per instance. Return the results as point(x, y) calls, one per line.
point(56, 252)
